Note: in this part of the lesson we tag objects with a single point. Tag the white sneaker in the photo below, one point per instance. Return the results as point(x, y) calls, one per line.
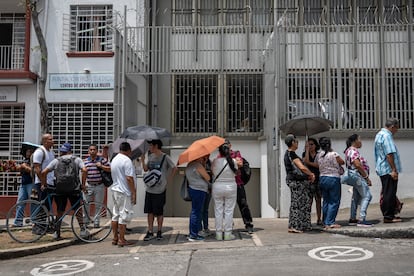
point(229, 237)
point(84, 233)
point(219, 236)
point(56, 236)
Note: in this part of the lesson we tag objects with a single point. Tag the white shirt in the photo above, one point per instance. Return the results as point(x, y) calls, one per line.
point(47, 156)
point(121, 167)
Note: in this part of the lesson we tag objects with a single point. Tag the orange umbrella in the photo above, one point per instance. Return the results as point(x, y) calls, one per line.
point(200, 148)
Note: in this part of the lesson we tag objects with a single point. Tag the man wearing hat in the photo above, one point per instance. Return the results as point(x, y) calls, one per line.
point(61, 199)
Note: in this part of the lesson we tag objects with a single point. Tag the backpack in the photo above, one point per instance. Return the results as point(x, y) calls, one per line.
point(66, 176)
point(245, 171)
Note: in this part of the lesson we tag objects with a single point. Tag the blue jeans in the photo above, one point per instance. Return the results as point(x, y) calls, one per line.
point(361, 195)
point(331, 194)
point(204, 212)
point(197, 203)
point(24, 193)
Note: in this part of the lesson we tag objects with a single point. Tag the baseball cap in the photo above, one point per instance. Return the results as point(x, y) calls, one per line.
point(66, 147)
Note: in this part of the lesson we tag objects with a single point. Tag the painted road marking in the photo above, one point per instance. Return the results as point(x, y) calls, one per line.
point(60, 268)
point(340, 254)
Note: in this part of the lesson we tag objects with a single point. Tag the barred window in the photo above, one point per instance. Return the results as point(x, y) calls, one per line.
point(81, 124)
point(313, 12)
point(367, 12)
point(340, 12)
point(12, 41)
point(244, 101)
point(196, 100)
point(90, 28)
point(11, 131)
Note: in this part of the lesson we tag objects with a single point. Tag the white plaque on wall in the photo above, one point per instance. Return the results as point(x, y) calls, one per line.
point(81, 81)
point(8, 94)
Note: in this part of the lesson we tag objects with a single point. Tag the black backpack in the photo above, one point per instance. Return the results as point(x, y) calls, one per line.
point(245, 171)
point(67, 176)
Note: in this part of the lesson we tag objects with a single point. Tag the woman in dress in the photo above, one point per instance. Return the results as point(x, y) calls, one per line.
point(311, 149)
point(330, 168)
point(358, 172)
point(198, 179)
point(224, 191)
point(300, 198)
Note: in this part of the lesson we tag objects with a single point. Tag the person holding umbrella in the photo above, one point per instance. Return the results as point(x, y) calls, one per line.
point(299, 185)
point(198, 179)
point(155, 196)
point(224, 191)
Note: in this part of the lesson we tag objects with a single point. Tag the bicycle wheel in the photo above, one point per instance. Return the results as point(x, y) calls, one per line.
point(91, 222)
point(31, 222)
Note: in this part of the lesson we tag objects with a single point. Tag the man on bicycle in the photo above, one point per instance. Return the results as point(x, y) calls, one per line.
point(72, 190)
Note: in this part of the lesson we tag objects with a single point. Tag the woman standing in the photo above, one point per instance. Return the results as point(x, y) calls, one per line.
point(224, 191)
point(311, 149)
point(358, 173)
point(25, 189)
point(330, 164)
point(198, 178)
point(300, 198)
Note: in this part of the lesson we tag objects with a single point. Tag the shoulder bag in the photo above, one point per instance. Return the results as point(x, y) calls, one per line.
point(296, 172)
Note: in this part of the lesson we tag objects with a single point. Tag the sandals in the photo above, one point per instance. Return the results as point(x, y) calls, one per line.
point(114, 242)
point(125, 243)
point(332, 226)
point(293, 230)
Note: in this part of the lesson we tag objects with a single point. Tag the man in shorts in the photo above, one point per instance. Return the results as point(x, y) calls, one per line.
point(124, 194)
point(155, 196)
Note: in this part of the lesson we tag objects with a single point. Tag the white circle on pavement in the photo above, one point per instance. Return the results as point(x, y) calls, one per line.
point(67, 267)
point(340, 254)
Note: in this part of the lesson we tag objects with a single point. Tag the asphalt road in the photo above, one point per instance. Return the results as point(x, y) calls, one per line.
point(314, 253)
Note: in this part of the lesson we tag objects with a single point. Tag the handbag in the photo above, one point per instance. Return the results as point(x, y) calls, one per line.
point(153, 177)
point(296, 172)
point(106, 178)
point(185, 195)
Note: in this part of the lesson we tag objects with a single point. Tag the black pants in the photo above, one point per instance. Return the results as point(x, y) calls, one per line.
point(244, 208)
point(389, 193)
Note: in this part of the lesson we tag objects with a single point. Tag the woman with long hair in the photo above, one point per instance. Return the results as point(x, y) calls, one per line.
point(358, 173)
point(311, 150)
point(329, 163)
point(224, 191)
point(299, 185)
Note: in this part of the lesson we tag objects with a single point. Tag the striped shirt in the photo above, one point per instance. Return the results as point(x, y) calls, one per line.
point(93, 176)
point(384, 145)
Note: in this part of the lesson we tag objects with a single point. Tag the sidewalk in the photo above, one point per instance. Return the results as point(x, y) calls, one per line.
point(268, 229)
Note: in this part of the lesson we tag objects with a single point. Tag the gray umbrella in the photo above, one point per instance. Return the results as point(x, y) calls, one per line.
point(145, 132)
point(305, 125)
point(138, 147)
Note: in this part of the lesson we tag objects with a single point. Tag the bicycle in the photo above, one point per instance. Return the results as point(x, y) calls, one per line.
point(91, 221)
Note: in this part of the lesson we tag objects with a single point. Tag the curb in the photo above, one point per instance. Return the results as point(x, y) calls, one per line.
point(34, 249)
point(377, 232)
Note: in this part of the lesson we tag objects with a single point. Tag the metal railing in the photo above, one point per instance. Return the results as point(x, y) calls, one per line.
point(11, 57)
point(9, 183)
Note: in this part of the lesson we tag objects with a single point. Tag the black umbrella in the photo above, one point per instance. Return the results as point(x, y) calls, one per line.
point(145, 132)
point(26, 146)
point(305, 125)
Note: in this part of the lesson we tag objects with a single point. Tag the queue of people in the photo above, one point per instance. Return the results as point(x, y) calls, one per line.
point(327, 166)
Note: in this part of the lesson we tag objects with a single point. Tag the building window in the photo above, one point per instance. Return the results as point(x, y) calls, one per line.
point(340, 12)
point(244, 101)
point(12, 41)
point(11, 131)
point(81, 124)
point(91, 28)
point(196, 101)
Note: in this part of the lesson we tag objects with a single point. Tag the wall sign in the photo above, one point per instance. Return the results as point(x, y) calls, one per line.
point(82, 81)
point(8, 94)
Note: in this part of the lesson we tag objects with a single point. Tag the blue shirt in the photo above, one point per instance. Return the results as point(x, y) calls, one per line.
point(384, 145)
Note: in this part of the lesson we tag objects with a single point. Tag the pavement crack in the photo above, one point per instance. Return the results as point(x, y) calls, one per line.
point(189, 261)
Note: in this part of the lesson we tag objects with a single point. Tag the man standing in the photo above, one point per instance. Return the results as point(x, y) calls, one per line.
point(92, 178)
point(241, 194)
point(73, 196)
point(387, 166)
point(155, 197)
point(42, 156)
point(123, 193)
